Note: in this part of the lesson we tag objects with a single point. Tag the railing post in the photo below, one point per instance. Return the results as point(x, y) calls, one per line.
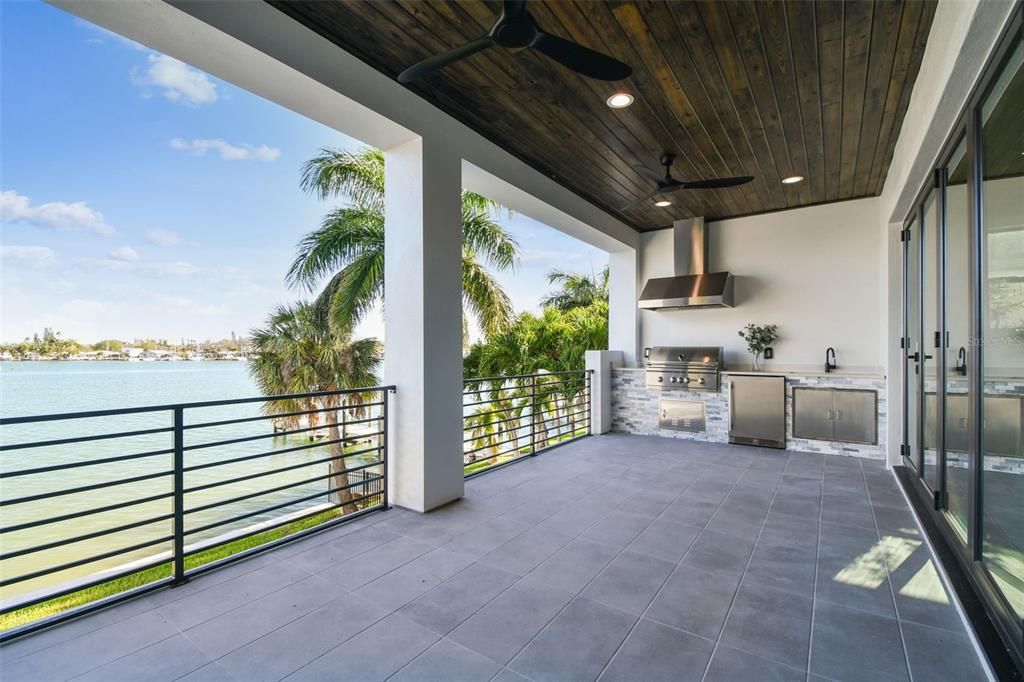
point(179, 496)
point(533, 414)
point(590, 414)
point(384, 446)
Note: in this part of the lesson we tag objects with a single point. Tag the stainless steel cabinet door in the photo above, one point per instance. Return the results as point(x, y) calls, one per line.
point(855, 416)
point(1002, 435)
point(812, 413)
point(956, 422)
point(757, 409)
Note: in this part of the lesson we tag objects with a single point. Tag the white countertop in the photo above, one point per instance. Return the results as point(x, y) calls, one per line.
point(838, 373)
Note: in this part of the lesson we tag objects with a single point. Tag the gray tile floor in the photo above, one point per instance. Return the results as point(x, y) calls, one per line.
point(614, 558)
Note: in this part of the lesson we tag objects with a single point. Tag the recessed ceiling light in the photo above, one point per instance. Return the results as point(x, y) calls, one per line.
point(620, 100)
point(792, 179)
point(663, 203)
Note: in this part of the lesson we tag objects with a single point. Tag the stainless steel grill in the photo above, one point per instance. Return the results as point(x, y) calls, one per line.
point(692, 368)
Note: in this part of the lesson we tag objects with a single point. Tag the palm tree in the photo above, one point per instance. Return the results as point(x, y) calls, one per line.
point(347, 250)
point(576, 290)
point(299, 352)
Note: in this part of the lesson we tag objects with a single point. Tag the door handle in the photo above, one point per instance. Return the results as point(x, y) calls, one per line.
point(828, 415)
point(916, 357)
point(839, 415)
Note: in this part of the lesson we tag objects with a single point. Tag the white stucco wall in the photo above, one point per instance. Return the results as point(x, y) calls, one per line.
point(815, 272)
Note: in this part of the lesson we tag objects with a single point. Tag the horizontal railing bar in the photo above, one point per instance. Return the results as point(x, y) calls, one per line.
point(283, 451)
point(81, 562)
point(526, 394)
point(85, 439)
point(87, 463)
point(85, 536)
point(9, 421)
point(275, 434)
point(263, 547)
point(581, 382)
point(291, 467)
point(282, 415)
point(469, 427)
point(85, 512)
point(499, 454)
point(78, 587)
point(83, 488)
point(494, 445)
point(523, 417)
point(523, 406)
point(282, 505)
point(527, 376)
point(563, 417)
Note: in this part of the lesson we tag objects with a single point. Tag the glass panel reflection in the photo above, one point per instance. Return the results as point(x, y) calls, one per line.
point(1002, 141)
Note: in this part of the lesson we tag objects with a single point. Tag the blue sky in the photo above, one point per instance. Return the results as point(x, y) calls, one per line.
point(143, 198)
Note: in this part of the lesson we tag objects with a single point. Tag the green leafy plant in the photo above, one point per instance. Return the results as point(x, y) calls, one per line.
point(759, 337)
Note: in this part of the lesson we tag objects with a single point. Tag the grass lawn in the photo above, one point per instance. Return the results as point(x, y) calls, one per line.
point(487, 464)
point(129, 582)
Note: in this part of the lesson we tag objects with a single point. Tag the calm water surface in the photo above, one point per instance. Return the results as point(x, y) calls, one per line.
point(31, 388)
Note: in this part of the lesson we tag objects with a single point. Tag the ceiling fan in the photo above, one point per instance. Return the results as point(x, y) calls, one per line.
point(668, 184)
point(516, 28)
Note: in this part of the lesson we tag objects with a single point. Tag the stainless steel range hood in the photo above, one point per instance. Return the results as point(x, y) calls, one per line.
point(690, 286)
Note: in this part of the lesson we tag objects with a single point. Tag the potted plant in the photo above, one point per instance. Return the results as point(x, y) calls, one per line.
point(759, 337)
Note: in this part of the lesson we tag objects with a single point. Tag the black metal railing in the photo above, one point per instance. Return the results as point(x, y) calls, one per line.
point(99, 506)
point(506, 418)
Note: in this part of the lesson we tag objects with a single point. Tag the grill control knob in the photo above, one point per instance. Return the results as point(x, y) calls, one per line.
point(661, 379)
point(686, 380)
point(702, 380)
point(673, 380)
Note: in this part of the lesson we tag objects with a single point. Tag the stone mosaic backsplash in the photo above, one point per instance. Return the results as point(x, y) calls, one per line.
point(635, 410)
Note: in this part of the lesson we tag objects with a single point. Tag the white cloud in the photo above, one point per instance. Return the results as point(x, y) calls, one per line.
point(36, 256)
point(56, 214)
point(162, 237)
point(175, 269)
point(178, 81)
point(227, 151)
point(125, 253)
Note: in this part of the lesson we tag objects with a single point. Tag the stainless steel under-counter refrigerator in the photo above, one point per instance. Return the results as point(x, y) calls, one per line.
point(757, 409)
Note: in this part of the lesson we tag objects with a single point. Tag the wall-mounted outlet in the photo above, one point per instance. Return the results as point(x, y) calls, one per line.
point(769, 353)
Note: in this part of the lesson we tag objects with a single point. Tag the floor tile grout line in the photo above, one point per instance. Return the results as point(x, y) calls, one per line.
point(580, 592)
point(678, 563)
point(892, 590)
point(732, 602)
point(814, 590)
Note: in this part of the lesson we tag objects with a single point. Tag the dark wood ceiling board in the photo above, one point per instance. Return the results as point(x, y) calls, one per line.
point(723, 116)
point(914, 30)
point(746, 32)
point(636, 32)
point(654, 29)
point(719, 29)
point(761, 87)
point(480, 117)
point(589, 122)
point(775, 37)
point(885, 27)
point(637, 122)
point(802, 24)
point(856, 48)
point(829, 20)
point(561, 126)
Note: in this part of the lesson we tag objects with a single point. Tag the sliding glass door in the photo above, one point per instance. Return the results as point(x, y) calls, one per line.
point(1002, 327)
point(963, 341)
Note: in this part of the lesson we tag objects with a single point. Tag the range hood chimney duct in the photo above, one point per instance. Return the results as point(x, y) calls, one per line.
point(691, 285)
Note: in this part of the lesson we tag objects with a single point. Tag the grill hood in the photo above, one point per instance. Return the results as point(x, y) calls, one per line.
point(690, 286)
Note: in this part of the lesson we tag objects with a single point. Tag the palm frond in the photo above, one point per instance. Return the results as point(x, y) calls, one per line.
point(484, 297)
point(354, 175)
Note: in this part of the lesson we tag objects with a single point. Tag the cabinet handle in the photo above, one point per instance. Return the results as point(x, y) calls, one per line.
point(839, 415)
point(828, 415)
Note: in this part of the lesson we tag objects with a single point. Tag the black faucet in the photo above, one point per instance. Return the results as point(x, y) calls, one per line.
point(961, 362)
point(830, 359)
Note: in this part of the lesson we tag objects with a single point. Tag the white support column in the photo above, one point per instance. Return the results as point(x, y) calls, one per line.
point(623, 315)
point(423, 322)
point(601, 362)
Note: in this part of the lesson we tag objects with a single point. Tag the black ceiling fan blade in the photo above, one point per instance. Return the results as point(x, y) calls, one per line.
point(717, 183)
point(652, 175)
point(513, 8)
point(581, 59)
point(431, 64)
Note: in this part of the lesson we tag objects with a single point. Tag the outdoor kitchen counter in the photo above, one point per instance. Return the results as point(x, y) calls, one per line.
point(635, 408)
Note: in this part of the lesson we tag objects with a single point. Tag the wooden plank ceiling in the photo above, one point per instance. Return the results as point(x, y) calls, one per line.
point(770, 89)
